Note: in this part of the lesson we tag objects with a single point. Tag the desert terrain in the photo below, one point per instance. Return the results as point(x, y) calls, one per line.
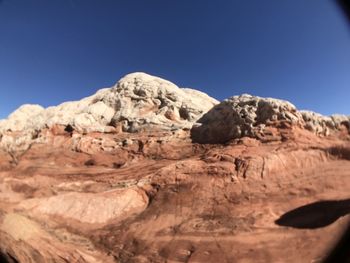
point(145, 171)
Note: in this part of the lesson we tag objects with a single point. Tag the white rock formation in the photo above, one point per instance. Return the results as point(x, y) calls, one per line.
point(241, 116)
point(322, 125)
point(25, 117)
point(141, 102)
point(247, 115)
point(138, 101)
point(144, 101)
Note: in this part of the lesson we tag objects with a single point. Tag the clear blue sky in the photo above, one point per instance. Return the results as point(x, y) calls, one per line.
point(57, 50)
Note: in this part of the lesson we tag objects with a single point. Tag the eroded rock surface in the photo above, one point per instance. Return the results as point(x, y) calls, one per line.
point(86, 207)
point(137, 101)
point(323, 125)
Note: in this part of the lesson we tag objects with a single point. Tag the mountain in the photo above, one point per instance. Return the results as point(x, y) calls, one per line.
point(146, 171)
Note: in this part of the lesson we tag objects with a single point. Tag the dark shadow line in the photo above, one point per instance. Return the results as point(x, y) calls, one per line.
point(315, 215)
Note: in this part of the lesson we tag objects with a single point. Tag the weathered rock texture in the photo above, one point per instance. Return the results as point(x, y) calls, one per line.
point(255, 117)
point(137, 101)
point(323, 125)
point(116, 177)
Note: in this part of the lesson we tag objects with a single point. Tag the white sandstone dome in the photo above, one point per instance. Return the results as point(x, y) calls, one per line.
point(240, 116)
point(141, 100)
point(138, 101)
point(25, 117)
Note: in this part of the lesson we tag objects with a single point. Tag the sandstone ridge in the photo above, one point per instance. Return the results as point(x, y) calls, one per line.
point(141, 102)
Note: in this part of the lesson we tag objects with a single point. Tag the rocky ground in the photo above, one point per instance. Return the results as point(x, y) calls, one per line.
point(148, 172)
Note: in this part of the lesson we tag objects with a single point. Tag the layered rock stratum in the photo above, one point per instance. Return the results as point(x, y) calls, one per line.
point(146, 171)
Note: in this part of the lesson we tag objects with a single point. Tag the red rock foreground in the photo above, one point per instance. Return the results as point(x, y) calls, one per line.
point(273, 191)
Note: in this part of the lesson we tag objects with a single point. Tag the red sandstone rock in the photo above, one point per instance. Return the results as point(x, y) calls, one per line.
point(156, 197)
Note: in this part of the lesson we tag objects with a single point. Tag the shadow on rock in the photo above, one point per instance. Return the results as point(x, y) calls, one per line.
point(218, 125)
point(315, 215)
point(340, 152)
point(241, 116)
point(7, 258)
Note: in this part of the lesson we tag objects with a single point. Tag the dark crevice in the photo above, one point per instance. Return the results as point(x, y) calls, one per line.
point(184, 114)
point(90, 162)
point(69, 128)
point(7, 258)
point(340, 152)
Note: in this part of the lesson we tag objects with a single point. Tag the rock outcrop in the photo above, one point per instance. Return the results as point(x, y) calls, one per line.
point(26, 117)
point(255, 117)
point(143, 101)
point(323, 125)
point(241, 116)
point(137, 101)
point(140, 102)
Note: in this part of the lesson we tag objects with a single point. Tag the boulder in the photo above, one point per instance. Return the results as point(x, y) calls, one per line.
point(25, 117)
point(240, 116)
point(323, 125)
point(138, 101)
point(146, 101)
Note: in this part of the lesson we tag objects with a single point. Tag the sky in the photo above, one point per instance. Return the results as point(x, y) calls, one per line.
point(62, 50)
